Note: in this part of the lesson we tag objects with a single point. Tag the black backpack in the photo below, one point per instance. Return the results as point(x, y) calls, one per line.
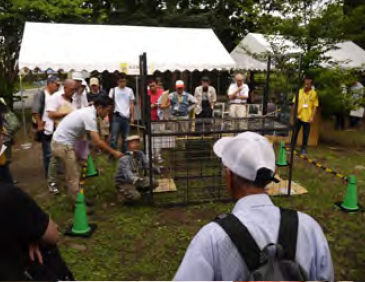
point(276, 262)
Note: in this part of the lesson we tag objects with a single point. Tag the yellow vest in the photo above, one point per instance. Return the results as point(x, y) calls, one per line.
point(307, 102)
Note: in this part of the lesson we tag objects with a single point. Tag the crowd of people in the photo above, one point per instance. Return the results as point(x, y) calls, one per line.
point(68, 117)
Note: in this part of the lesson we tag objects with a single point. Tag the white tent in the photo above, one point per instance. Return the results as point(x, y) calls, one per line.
point(260, 45)
point(117, 48)
point(246, 62)
point(347, 55)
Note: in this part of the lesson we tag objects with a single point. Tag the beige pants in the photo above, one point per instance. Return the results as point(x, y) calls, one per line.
point(238, 111)
point(66, 153)
point(181, 126)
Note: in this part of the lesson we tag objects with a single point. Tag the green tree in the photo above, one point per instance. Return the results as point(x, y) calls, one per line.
point(354, 11)
point(312, 25)
point(229, 19)
point(13, 15)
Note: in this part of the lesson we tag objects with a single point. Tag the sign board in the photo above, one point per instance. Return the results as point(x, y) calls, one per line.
point(132, 69)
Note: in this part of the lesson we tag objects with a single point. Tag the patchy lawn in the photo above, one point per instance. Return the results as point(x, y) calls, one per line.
point(147, 243)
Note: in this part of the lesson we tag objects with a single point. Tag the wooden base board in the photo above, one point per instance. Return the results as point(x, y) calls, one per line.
point(281, 188)
point(166, 185)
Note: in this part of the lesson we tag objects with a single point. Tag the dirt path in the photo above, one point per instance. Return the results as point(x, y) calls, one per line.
point(27, 169)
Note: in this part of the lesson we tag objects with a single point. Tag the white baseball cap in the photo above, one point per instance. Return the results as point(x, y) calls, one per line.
point(179, 84)
point(133, 138)
point(247, 154)
point(77, 75)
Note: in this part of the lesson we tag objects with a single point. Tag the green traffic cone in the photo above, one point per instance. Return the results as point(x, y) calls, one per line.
point(282, 155)
point(91, 170)
point(81, 227)
point(350, 203)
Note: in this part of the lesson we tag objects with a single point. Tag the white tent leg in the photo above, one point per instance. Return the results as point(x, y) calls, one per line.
point(24, 146)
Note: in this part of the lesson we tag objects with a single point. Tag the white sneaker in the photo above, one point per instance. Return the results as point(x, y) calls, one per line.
point(53, 188)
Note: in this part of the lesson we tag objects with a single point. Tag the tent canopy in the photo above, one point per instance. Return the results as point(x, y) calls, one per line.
point(347, 55)
point(117, 48)
point(259, 44)
point(246, 62)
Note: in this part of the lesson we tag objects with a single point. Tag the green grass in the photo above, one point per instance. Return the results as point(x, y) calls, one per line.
point(148, 243)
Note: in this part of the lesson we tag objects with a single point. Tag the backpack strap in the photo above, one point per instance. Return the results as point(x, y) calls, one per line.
point(288, 232)
point(242, 239)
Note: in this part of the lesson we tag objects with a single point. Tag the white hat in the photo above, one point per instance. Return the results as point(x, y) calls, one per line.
point(179, 83)
point(77, 75)
point(94, 81)
point(133, 137)
point(245, 154)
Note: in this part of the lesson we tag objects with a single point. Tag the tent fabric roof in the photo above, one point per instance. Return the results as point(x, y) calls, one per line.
point(348, 55)
point(246, 62)
point(257, 43)
point(101, 47)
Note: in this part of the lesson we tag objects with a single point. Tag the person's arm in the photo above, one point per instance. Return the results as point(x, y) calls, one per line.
point(95, 137)
point(193, 101)
point(198, 264)
point(125, 170)
point(214, 97)
point(56, 115)
point(245, 93)
point(52, 108)
point(132, 106)
point(36, 107)
point(314, 108)
point(52, 235)
point(132, 111)
point(32, 226)
point(232, 94)
point(324, 270)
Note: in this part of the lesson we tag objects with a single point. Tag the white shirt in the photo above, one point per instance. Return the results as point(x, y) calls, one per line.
point(243, 93)
point(55, 102)
point(123, 97)
point(75, 125)
point(80, 101)
point(212, 255)
point(48, 123)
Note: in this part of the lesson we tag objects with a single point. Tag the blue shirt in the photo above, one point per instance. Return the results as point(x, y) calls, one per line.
point(212, 256)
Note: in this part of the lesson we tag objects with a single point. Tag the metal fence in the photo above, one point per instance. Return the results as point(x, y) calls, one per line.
point(190, 171)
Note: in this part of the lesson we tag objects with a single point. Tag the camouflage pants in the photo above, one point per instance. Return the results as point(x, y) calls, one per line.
point(128, 192)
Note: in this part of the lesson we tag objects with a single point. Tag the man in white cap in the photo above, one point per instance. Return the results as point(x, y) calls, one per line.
point(249, 161)
point(182, 103)
point(79, 100)
point(238, 95)
point(131, 179)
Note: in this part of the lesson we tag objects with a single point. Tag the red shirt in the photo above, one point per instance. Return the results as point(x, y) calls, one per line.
point(154, 99)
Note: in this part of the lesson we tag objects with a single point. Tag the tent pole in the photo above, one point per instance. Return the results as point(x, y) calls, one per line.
point(138, 102)
point(295, 118)
point(24, 146)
